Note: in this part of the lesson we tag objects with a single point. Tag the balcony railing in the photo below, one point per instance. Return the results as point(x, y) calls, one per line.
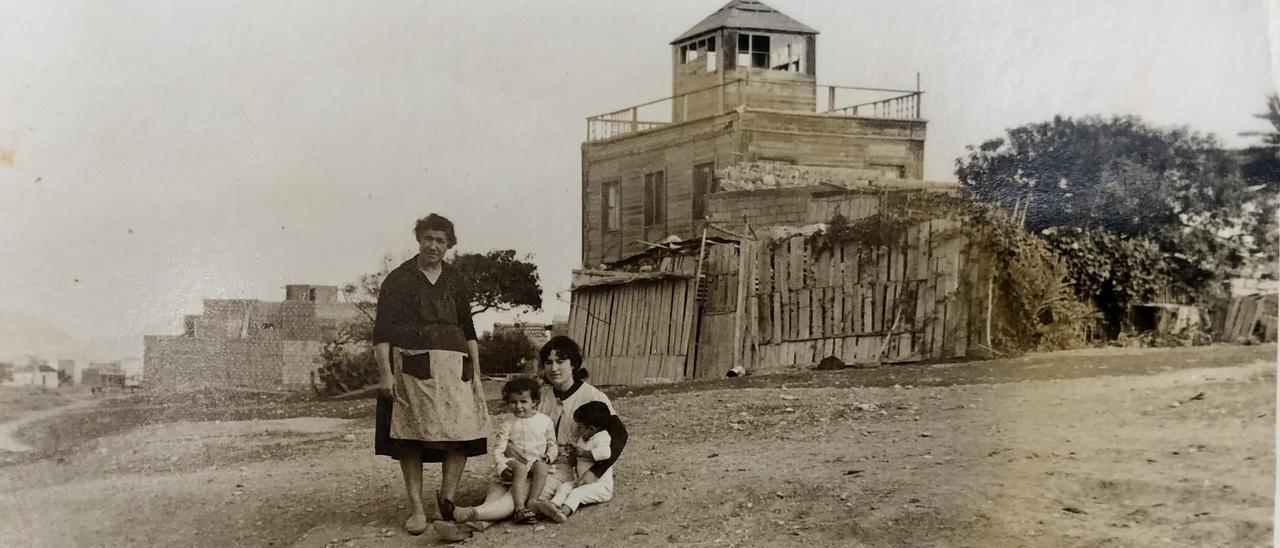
point(835, 100)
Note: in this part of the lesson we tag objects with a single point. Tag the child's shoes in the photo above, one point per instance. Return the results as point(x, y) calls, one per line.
point(549, 510)
point(525, 516)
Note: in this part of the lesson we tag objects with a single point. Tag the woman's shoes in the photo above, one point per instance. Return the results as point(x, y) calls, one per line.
point(446, 508)
point(416, 524)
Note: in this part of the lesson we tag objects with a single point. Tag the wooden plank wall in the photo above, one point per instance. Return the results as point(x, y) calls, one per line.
point(634, 332)
point(1242, 316)
point(716, 335)
point(862, 304)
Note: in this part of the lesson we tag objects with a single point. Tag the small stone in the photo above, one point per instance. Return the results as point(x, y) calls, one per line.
point(926, 434)
point(788, 397)
point(642, 530)
point(539, 527)
point(349, 437)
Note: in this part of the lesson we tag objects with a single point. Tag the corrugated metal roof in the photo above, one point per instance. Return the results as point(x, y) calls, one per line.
point(747, 14)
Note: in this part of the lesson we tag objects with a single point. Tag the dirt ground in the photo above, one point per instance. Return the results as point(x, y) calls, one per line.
point(1110, 447)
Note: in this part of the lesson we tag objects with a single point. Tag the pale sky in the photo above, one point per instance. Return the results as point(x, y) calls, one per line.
point(155, 153)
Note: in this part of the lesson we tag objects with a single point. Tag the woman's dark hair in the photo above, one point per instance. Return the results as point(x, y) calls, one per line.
point(522, 384)
point(436, 222)
point(593, 413)
point(565, 348)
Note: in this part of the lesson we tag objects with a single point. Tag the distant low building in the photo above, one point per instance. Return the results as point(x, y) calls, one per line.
point(34, 375)
point(247, 342)
point(103, 374)
point(536, 333)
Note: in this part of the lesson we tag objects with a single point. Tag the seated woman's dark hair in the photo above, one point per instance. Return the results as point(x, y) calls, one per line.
point(522, 384)
point(436, 222)
point(564, 347)
point(593, 413)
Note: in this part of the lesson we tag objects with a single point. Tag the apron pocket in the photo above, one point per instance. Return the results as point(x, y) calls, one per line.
point(416, 365)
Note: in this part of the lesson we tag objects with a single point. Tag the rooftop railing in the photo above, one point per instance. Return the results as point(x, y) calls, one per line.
point(836, 100)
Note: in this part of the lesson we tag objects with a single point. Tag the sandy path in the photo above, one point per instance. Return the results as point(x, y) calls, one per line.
point(1179, 456)
point(11, 444)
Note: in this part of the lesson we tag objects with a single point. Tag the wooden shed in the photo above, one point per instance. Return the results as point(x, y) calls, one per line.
point(775, 299)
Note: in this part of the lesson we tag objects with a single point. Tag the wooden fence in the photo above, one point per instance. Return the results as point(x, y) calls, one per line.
point(1245, 316)
point(898, 303)
point(635, 331)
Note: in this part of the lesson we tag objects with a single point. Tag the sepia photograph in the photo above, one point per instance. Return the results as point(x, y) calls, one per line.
point(329, 274)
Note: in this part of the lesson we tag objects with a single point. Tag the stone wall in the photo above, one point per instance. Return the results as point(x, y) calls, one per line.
point(249, 343)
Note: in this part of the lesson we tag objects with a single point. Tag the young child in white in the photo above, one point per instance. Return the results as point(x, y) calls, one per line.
point(590, 447)
point(526, 446)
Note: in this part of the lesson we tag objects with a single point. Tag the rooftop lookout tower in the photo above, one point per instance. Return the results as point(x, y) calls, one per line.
point(745, 98)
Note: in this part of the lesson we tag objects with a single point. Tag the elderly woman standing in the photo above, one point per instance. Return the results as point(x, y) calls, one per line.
point(430, 405)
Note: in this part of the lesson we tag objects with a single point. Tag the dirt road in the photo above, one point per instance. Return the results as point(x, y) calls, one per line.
point(1170, 447)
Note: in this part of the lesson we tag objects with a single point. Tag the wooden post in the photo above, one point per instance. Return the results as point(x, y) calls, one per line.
point(691, 356)
point(743, 279)
point(684, 116)
point(831, 98)
point(635, 119)
point(991, 278)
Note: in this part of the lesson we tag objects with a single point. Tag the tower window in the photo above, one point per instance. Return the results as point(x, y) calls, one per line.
point(697, 50)
point(770, 52)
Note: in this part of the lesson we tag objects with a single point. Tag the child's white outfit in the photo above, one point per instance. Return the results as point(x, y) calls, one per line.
point(601, 490)
point(532, 437)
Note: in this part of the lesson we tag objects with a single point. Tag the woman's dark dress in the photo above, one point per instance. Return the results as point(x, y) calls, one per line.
point(427, 325)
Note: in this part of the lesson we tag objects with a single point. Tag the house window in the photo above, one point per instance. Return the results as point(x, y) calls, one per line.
point(889, 171)
point(703, 180)
point(655, 198)
point(763, 51)
point(610, 210)
point(700, 49)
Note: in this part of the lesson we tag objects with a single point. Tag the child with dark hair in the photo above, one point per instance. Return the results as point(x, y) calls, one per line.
point(592, 446)
point(526, 446)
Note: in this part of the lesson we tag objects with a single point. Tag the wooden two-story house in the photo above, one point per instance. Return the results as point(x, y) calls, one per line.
point(745, 99)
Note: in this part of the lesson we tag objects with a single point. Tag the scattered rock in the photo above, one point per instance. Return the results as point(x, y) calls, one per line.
point(926, 434)
point(349, 437)
point(1073, 510)
point(642, 530)
point(788, 397)
point(830, 363)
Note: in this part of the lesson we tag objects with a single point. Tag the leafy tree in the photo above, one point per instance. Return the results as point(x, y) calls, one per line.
point(1177, 188)
point(1260, 166)
point(503, 351)
point(497, 280)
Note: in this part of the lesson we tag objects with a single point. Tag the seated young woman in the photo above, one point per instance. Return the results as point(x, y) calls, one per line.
point(564, 391)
